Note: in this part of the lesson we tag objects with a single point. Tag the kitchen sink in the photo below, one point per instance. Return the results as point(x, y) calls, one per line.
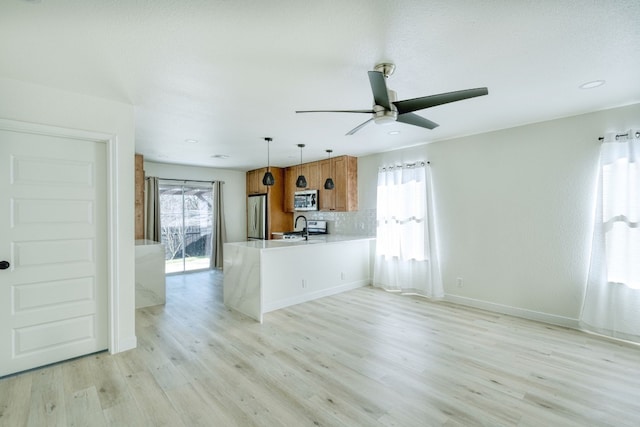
point(292, 235)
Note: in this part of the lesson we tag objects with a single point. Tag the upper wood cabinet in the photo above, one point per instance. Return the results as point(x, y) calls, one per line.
point(254, 181)
point(345, 178)
point(139, 194)
point(344, 171)
point(290, 177)
point(312, 174)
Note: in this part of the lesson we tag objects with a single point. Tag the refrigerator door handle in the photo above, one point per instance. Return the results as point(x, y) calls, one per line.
point(255, 216)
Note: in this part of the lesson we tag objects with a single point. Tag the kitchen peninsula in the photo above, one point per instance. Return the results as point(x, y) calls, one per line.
point(265, 275)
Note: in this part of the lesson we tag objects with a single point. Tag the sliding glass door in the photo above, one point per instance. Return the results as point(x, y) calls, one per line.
point(186, 217)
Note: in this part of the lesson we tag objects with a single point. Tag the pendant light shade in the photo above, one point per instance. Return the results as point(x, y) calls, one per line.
point(268, 178)
point(328, 184)
point(301, 182)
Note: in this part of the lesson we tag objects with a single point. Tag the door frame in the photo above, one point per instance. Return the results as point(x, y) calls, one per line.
point(182, 184)
point(113, 288)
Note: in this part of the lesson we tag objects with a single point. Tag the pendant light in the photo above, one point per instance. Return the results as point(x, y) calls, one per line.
point(328, 184)
point(301, 182)
point(268, 178)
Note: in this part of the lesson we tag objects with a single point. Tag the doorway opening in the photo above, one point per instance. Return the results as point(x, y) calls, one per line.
point(186, 218)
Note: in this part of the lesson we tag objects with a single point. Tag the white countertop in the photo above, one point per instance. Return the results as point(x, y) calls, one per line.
point(313, 240)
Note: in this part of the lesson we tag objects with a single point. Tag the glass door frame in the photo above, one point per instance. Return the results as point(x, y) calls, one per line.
point(184, 187)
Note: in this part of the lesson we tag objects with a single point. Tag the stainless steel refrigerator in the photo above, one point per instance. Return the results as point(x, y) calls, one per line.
point(257, 217)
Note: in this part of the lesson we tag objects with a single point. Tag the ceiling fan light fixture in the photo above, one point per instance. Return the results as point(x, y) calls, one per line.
point(592, 84)
point(384, 117)
point(301, 182)
point(268, 178)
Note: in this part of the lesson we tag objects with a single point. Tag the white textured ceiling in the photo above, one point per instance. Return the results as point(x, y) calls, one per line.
point(228, 73)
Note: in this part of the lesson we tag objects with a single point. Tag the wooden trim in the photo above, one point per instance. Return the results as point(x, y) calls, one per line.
point(139, 196)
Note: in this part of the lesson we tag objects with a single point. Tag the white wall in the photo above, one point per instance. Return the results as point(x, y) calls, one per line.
point(514, 211)
point(38, 104)
point(234, 191)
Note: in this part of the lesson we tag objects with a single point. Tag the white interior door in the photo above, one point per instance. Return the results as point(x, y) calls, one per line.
point(53, 234)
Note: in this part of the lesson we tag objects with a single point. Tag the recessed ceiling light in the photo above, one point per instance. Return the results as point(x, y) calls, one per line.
point(191, 141)
point(592, 84)
point(394, 132)
point(220, 156)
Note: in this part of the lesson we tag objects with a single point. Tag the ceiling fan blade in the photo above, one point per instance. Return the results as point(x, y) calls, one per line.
point(335, 111)
point(357, 128)
point(409, 105)
point(416, 120)
point(379, 89)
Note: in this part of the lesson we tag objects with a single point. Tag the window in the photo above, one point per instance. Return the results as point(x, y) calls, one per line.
point(612, 297)
point(621, 211)
point(406, 257)
point(186, 218)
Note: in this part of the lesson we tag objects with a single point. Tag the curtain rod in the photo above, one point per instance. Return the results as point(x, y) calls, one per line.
point(185, 180)
point(620, 135)
point(406, 165)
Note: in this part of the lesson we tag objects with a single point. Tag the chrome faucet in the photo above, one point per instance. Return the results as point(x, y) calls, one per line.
point(305, 230)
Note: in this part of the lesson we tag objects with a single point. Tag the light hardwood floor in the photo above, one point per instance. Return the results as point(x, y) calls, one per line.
point(361, 358)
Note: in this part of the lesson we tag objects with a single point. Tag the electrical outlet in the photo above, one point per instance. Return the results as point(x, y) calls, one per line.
point(459, 282)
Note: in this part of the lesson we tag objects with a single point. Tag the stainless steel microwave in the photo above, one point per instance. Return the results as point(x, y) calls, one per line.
point(305, 200)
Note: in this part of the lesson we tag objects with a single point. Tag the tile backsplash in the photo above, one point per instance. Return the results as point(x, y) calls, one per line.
point(360, 223)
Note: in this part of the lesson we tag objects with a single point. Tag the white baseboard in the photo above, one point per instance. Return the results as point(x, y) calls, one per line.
point(125, 344)
point(515, 311)
point(276, 305)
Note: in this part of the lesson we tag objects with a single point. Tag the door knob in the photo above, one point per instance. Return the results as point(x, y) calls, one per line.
point(4, 265)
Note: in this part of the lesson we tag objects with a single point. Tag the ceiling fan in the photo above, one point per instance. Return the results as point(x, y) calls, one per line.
point(386, 109)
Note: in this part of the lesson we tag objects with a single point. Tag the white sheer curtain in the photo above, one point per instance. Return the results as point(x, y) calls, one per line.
point(406, 258)
point(612, 300)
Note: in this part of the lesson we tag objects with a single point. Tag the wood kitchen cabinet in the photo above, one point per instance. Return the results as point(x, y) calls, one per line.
point(254, 181)
point(345, 178)
point(277, 218)
point(290, 176)
point(312, 174)
point(344, 171)
point(344, 196)
point(327, 197)
point(139, 195)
